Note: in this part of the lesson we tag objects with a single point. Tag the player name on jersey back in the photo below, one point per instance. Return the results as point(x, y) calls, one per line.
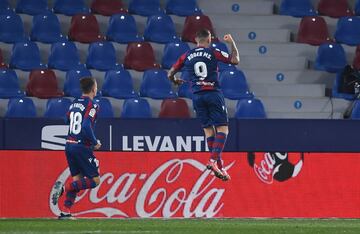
point(199, 54)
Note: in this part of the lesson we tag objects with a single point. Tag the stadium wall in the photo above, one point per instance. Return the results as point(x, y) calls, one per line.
point(176, 184)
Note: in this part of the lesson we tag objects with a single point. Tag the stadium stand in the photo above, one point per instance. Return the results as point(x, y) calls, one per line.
point(118, 84)
point(334, 8)
point(26, 56)
point(160, 29)
point(107, 8)
point(356, 62)
point(233, 84)
point(145, 7)
point(182, 8)
point(355, 114)
point(70, 7)
point(11, 28)
point(43, 84)
point(9, 84)
point(156, 85)
point(313, 31)
point(136, 108)
point(106, 110)
point(249, 108)
point(4, 7)
point(85, 29)
point(72, 82)
point(57, 108)
point(122, 29)
point(31, 7)
point(330, 58)
point(297, 8)
point(348, 31)
point(2, 63)
point(174, 108)
point(357, 7)
point(46, 28)
point(193, 24)
point(140, 56)
point(21, 108)
point(102, 56)
point(172, 51)
point(64, 56)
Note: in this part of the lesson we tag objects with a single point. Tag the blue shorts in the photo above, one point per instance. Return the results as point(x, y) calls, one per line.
point(210, 108)
point(81, 160)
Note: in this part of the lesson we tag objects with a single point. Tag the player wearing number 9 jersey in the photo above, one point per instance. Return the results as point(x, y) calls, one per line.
point(80, 143)
point(201, 63)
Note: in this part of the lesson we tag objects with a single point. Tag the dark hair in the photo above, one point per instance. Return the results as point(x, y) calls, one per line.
point(202, 34)
point(87, 84)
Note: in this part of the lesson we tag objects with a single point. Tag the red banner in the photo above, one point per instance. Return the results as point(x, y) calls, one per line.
point(177, 185)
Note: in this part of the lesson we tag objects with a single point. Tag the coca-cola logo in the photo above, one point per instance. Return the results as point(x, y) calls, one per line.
point(165, 192)
point(270, 166)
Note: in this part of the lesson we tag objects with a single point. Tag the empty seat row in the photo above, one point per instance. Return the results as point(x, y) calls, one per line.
point(132, 108)
point(85, 28)
point(332, 8)
point(313, 30)
point(104, 7)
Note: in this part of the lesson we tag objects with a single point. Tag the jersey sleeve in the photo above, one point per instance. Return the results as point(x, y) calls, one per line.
point(180, 62)
point(222, 56)
point(88, 123)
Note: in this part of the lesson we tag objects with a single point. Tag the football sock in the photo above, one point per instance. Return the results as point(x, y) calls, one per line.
point(210, 142)
point(218, 146)
point(74, 187)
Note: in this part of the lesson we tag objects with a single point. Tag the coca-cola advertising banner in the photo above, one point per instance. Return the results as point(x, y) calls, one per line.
point(176, 184)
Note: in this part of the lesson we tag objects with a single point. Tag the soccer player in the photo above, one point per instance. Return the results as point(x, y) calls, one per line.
point(80, 144)
point(208, 101)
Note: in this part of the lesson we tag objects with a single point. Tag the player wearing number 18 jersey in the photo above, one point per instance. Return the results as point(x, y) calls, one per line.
point(201, 63)
point(80, 144)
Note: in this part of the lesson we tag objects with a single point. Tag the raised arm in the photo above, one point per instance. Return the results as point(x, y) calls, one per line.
point(235, 58)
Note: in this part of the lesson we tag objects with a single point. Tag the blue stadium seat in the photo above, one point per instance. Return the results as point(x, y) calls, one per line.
point(26, 56)
point(72, 82)
point(5, 7)
point(335, 89)
point(330, 58)
point(64, 56)
point(160, 29)
point(249, 108)
point(11, 28)
point(348, 31)
point(172, 52)
point(70, 7)
point(57, 107)
point(136, 108)
point(105, 108)
point(297, 8)
point(233, 84)
point(21, 108)
point(155, 84)
point(32, 7)
point(46, 28)
point(357, 7)
point(145, 7)
point(118, 84)
point(355, 114)
point(222, 47)
point(102, 56)
point(182, 7)
point(122, 29)
point(9, 84)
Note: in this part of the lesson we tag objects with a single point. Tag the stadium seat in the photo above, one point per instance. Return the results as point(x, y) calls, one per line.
point(2, 62)
point(172, 52)
point(32, 7)
point(336, 93)
point(107, 8)
point(5, 7)
point(357, 7)
point(193, 24)
point(102, 56)
point(156, 85)
point(222, 47)
point(182, 8)
point(70, 7)
point(250, 108)
point(297, 8)
point(9, 84)
point(356, 62)
point(233, 84)
point(140, 56)
point(21, 108)
point(145, 7)
point(118, 84)
point(136, 108)
point(334, 8)
point(313, 31)
point(122, 29)
point(160, 29)
point(348, 31)
point(355, 114)
point(330, 58)
point(11, 28)
point(46, 28)
point(85, 29)
point(174, 108)
point(57, 108)
point(185, 90)
point(72, 82)
point(105, 108)
point(26, 56)
point(43, 84)
point(64, 56)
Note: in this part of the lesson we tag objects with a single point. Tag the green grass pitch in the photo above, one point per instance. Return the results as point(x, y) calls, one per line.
point(172, 226)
